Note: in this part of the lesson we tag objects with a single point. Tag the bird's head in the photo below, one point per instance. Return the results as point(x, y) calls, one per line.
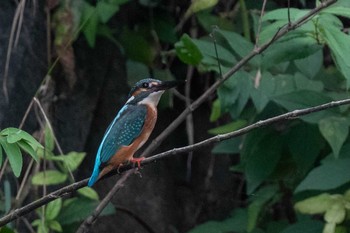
point(149, 91)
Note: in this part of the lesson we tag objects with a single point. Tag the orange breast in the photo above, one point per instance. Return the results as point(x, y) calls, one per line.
point(125, 153)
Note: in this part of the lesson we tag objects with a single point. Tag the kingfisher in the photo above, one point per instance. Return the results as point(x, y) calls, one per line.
point(131, 128)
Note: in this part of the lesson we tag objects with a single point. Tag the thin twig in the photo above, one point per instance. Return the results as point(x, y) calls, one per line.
point(289, 22)
point(91, 219)
point(189, 122)
point(77, 185)
point(284, 30)
point(24, 181)
point(52, 131)
point(15, 21)
point(260, 24)
point(4, 165)
point(189, 118)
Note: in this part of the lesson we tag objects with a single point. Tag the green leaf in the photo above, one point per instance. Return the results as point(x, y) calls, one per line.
point(305, 99)
point(49, 139)
point(36, 222)
point(229, 146)
point(24, 145)
point(56, 226)
point(199, 5)
point(258, 201)
point(42, 228)
point(329, 175)
point(268, 31)
point(53, 209)
point(187, 51)
point(72, 160)
point(14, 155)
point(304, 143)
point(305, 226)
point(90, 23)
point(329, 228)
point(262, 151)
point(50, 177)
point(262, 92)
point(23, 135)
point(304, 83)
point(310, 65)
point(79, 209)
point(282, 14)
point(289, 50)
point(335, 130)
point(315, 205)
point(89, 193)
point(106, 10)
point(207, 48)
point(336, 213)
point(234, 93)
point(230, 127)
point(338, 42)
point(239, 44)
point(215, 111)
point(337, 10)
point(7, 195)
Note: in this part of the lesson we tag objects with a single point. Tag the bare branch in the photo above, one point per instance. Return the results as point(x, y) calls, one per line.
point(77, 185)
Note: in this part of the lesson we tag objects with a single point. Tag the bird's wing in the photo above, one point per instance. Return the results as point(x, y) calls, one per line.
point(124, 129)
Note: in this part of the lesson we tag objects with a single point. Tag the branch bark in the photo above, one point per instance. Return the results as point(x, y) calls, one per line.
point(77, 185)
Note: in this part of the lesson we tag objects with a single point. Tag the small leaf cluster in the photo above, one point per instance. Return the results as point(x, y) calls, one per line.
point(13, 141)
point(334, 208)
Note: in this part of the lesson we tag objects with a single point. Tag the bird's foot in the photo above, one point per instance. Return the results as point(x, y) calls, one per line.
point(137, 161)
point(118, 168)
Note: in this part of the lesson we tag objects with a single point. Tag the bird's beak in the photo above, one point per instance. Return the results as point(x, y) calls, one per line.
point(166, 85)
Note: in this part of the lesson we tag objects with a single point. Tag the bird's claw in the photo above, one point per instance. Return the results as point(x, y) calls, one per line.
point(137, 161)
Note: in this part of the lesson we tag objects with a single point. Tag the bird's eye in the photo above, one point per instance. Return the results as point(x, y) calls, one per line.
point(145, 85)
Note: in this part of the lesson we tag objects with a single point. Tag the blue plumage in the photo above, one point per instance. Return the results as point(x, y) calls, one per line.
point(130, 128)
point(126, 126)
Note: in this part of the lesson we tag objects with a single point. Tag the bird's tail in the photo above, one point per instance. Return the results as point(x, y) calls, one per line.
point(94, 176)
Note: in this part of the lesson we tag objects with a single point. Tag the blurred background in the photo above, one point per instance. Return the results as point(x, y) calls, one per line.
point(79, 60)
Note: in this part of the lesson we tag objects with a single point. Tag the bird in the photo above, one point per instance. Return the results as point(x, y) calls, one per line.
point(131, 128)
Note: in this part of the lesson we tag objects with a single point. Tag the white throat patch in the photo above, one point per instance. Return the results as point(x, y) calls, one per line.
point(152, 99)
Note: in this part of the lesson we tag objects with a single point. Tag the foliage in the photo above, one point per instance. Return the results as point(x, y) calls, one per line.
point(50, 216)
point(289, 75)
point(13, 141)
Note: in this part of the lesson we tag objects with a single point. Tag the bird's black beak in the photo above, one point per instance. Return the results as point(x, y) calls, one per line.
point(164, 85)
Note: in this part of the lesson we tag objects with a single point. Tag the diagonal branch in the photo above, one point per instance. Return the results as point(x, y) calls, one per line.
point(91, 219)
point(77, 185)
point(280, 33)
